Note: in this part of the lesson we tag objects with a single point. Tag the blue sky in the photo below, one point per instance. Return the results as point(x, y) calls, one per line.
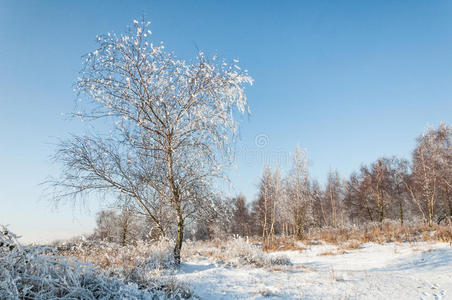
point(347, 80)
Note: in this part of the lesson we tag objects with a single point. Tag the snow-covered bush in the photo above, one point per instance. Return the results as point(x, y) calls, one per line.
point(235, 252)
point(151, 256)
point(40, 273)
point(280, 260)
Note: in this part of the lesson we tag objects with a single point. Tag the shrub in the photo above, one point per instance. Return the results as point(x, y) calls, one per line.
point(151, 256)
point(40, 273)
point(236, 252)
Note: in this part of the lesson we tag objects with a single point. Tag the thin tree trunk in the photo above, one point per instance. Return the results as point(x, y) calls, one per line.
point(176, 202)
point(124, 236)
point(179, 238)
point(264, 227)
point(449, 202)
point(401, 212)
point(333, 208)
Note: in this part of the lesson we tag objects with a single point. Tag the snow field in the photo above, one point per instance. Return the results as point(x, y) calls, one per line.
point(388, 271)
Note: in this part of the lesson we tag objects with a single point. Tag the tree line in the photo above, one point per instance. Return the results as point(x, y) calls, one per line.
point(389, 188)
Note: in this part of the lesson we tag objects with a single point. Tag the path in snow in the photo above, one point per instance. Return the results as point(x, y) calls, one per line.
point(390, 271)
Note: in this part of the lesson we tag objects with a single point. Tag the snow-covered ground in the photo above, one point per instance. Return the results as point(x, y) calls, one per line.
point(389, 271)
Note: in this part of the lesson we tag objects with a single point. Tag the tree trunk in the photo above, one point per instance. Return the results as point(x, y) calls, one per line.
point(381, 214)
point(450, 207)
point(179, 239)
point(123, 237)
point(447, 199)
point(430, 215)
point(401, 212)
point(369, 212)
point(264, 226)
point(177, 202)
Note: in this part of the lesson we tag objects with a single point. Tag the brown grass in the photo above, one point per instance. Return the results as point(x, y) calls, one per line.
point(280, 243)
point(327, 253)
point(351, 245)
point(388, 232)
point(351, 238)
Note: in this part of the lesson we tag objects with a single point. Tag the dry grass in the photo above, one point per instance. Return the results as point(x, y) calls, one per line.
point(388, 232)
point(281, 243)
point(327, 253)
point(352, 237)
point(351, 245)
point(443, 234)
point(330, 253)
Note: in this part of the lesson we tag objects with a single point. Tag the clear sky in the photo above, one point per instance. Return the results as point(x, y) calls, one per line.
point(347, 80)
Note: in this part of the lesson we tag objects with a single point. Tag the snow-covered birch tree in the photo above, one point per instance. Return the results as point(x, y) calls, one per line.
point(298, 198)
point(264, 204)
point(174, 124)
point(333, 200)
point(431, 169)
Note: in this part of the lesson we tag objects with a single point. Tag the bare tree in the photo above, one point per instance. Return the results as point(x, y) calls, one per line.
point(318, 213)
point(378, 191)
point(127, 224)
point(263, 206)
point(445, 185)
point(277, 201)
point(298, 205)
point(356, 200)
point(397, 172)
point(121, 228)
point(376, 184)
point(240, 222)
point(105, 225)
point(332, 206)
point(172, 126)
point(431, 169)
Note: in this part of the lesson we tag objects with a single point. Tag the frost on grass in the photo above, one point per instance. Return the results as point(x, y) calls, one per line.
point(149, 256)
point(157, 257)
point(236, 252)
point(40, 273)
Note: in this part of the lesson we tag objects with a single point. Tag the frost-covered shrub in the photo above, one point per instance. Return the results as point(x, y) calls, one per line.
point(161, 256)
point(150, 256)
point(40, 273)
point(235, 252)
point(280, 260)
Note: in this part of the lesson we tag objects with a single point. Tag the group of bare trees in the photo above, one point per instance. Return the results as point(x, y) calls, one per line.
point(387, 189)
point(378, 192)
point(397, 188)
point(391, 188)
point(295, 203)
point(121, 226)
point(283, 204)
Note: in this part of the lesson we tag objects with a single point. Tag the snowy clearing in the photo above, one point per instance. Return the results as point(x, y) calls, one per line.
point(390, 271)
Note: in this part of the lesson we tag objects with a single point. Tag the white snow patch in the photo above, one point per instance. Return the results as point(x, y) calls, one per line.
point(389, 271)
